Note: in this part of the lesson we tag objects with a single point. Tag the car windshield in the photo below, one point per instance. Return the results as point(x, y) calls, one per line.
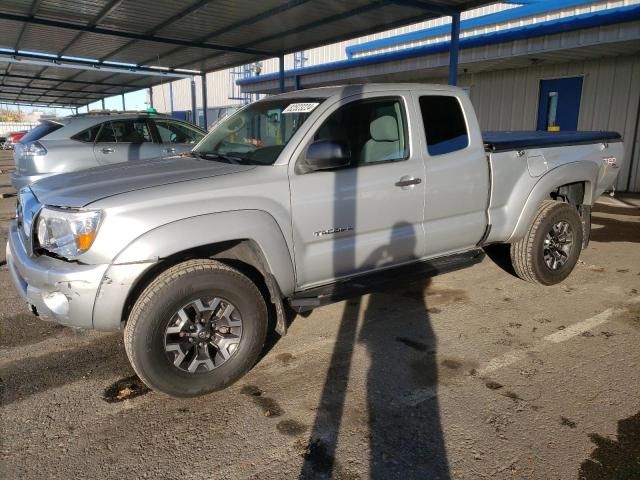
point(258, 133)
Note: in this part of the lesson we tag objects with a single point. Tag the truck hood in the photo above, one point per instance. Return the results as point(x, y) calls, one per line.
point(78, 189)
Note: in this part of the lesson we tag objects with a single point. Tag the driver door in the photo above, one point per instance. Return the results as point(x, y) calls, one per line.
point(365, 216)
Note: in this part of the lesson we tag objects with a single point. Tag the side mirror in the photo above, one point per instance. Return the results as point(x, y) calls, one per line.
point(327, 154)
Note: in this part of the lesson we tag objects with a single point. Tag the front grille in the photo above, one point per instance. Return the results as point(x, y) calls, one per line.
point(26, 212)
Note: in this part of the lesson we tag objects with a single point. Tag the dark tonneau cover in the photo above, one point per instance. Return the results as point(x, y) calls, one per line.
point(501, 141)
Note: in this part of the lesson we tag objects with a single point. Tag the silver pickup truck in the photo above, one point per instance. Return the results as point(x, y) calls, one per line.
point(295, 201)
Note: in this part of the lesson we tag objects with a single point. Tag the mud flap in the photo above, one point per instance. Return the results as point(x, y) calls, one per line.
point(585, 217)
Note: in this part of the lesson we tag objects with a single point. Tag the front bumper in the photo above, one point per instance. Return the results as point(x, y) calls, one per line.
point(70, 293)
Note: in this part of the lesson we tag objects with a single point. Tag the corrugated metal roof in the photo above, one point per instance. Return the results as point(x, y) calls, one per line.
point(146, 33)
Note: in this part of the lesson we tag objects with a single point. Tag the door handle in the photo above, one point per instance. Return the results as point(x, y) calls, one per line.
point(107, 150)
point(407, 181)
point(170, 150)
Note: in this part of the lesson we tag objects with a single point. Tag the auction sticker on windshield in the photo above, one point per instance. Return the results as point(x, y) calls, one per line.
point(301, 107)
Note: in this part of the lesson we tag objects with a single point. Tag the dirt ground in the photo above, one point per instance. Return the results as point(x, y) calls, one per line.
point(474, 375)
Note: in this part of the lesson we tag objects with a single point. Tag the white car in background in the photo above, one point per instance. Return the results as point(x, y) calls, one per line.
point(83, 141)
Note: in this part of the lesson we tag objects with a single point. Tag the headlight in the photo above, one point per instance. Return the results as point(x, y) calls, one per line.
point(67, 233)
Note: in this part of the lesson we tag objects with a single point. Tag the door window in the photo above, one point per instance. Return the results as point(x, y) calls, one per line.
point(88, 135)
point(444, 126)
point(131, 131)
point(177, 132)
point(106, 134)
point(374, 130)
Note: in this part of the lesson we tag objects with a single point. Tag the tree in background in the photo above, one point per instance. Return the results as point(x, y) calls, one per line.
point(11, 116)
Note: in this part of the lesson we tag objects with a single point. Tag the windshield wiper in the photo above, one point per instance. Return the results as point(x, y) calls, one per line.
point(215, 156)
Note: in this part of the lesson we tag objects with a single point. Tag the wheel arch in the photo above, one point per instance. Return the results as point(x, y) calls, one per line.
point(248, 240)
point(567, 181)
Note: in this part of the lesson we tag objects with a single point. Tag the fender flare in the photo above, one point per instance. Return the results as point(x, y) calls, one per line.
point(192, 232)
point(550, 181)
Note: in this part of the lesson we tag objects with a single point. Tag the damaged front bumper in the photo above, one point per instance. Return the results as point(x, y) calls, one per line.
point(70, 293)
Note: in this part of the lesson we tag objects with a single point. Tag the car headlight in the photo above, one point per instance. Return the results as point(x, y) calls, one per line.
point(67, 233)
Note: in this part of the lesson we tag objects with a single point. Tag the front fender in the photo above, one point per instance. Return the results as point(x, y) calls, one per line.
point(192, 232)
point(569, 173)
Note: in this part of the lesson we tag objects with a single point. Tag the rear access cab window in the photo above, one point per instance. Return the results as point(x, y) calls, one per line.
point(121, 131)
point(444, 125)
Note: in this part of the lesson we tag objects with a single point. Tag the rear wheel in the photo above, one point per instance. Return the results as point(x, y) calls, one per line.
point(551, 248)
point(197, 328)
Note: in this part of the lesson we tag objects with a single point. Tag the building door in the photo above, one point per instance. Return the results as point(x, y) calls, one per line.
point(559, 104)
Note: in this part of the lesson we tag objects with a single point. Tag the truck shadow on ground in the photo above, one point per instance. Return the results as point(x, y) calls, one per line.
point(624, 227)
point(101, 358)
point(499, 253)
point(607, 229)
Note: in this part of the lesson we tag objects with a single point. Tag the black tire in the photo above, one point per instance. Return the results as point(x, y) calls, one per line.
point(146, 329)
point(528, 254)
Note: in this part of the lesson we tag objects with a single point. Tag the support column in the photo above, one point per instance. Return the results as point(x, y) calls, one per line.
point(454, 48)
point(102, 103)
point(124, 106)
point(281, 72)
point(204, 100)
point(194, 119)
point(151, 97)
point(76, 110)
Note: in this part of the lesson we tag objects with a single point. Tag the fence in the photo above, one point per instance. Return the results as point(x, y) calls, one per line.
point(8, 127)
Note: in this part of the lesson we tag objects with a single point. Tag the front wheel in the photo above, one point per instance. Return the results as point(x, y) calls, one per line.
point(197, 328)
point(551, 248)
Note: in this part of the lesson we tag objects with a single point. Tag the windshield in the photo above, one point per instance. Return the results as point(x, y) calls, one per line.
point(258, 133)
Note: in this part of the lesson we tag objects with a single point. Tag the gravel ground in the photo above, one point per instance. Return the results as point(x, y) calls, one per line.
point(473, 375)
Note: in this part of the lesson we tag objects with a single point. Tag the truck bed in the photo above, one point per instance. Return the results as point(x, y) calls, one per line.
point(522, 140)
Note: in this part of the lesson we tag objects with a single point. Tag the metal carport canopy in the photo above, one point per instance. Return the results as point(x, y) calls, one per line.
point(76, 52)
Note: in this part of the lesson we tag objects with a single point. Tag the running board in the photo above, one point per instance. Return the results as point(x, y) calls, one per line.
point(368, 283)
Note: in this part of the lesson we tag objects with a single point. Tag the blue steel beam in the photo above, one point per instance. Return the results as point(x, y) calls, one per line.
point(454, 48)
point(532, 8)
point(281, 72)
point(566, 24)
